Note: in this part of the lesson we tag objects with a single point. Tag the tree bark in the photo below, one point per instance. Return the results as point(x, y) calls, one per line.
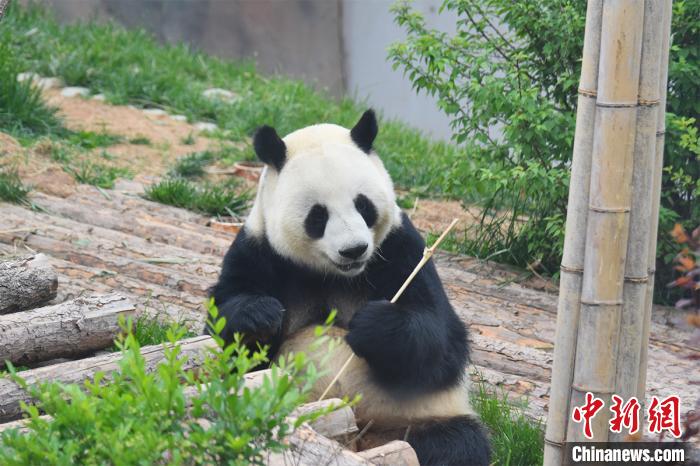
point(69, 329)
point(25, 283)
point(81, 370)
point(172, 231)
point(395, 453)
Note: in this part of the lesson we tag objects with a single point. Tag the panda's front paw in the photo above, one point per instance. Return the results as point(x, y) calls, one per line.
point(376, 331)
point(259, 316)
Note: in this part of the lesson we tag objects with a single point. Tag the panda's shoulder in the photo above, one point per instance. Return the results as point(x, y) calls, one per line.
point(251, 254)
point(403, 242)
point(397, 255)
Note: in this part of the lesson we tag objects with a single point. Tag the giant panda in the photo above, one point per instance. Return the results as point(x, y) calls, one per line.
point(325, 232)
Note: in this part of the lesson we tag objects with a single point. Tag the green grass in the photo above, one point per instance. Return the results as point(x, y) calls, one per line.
point(211, 199)
point(516, 440)
point(92, 140)
point(11, 187)
point(188, 140)
point(97, 174)
point(140, 141)
point(148, 330)
point(192, 165)
point(23, 113)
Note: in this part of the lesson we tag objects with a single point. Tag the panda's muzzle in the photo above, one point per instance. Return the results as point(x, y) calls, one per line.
point(350, 266)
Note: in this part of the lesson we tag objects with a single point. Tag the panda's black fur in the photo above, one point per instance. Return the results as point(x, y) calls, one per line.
point(415, 346)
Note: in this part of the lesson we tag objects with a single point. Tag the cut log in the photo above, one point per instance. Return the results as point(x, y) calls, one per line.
point(395, 453)
point(69, 329)
point(338, 424)
point(308, 448)
point(183, 234)
point(78, 371)
point(25, 283)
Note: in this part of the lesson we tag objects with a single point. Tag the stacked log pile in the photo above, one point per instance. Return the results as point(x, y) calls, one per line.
point(46, 336)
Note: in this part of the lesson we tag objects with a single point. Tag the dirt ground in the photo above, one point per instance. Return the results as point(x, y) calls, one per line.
point(167, 138)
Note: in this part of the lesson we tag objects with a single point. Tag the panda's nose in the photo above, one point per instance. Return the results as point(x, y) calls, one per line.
point(353, 252)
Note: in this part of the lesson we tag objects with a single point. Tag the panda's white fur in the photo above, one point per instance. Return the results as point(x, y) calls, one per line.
point(279, 281)
point(323, 163)
point(376, 405)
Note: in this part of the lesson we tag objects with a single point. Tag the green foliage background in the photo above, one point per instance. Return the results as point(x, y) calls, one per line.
point(513, 68)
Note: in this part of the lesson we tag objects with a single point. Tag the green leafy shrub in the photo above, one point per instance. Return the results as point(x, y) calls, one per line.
point(212, 199)
point(144, 418)
point(508, 78)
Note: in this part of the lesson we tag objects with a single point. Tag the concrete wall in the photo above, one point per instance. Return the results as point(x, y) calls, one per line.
point(339, 45)
point(368, 30)
point(299, 38)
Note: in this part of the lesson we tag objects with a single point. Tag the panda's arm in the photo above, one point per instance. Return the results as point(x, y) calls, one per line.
point(419, 343)
point(242, 295)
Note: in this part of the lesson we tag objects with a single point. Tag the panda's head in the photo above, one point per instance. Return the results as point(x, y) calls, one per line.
point(325, 200)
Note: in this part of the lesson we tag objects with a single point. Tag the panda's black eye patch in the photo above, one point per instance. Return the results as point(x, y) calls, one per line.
point(367, 209)
point(315, 222)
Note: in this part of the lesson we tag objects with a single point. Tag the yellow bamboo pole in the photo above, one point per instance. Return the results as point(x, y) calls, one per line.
point(632, 338)
point(608, 213)
point(574, 243)
point(656, 191)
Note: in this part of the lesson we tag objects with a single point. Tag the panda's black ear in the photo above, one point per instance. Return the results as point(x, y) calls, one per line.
point(364, 132)
point(269, 147)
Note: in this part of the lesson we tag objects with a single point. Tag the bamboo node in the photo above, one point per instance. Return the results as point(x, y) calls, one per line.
point(587, 93)
point(616, 104)
point(595, 390)
point(602, 302)
point(553, 442)
point(649, 102)
point(660, 133)
point(609, 210)
point(637, 279)
point(570, 269)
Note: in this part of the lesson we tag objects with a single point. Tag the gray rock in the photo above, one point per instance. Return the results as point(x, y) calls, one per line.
point(154, 111)
point(204, 126)
point(75, 91)
point(50, 83)
point(216, 93)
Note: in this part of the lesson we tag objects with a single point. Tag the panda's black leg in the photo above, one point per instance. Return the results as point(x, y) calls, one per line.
point(458, 441)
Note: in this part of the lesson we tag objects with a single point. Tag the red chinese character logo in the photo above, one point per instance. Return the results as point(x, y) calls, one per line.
point(665, 415)
point(587, 412)
point(626, 416)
